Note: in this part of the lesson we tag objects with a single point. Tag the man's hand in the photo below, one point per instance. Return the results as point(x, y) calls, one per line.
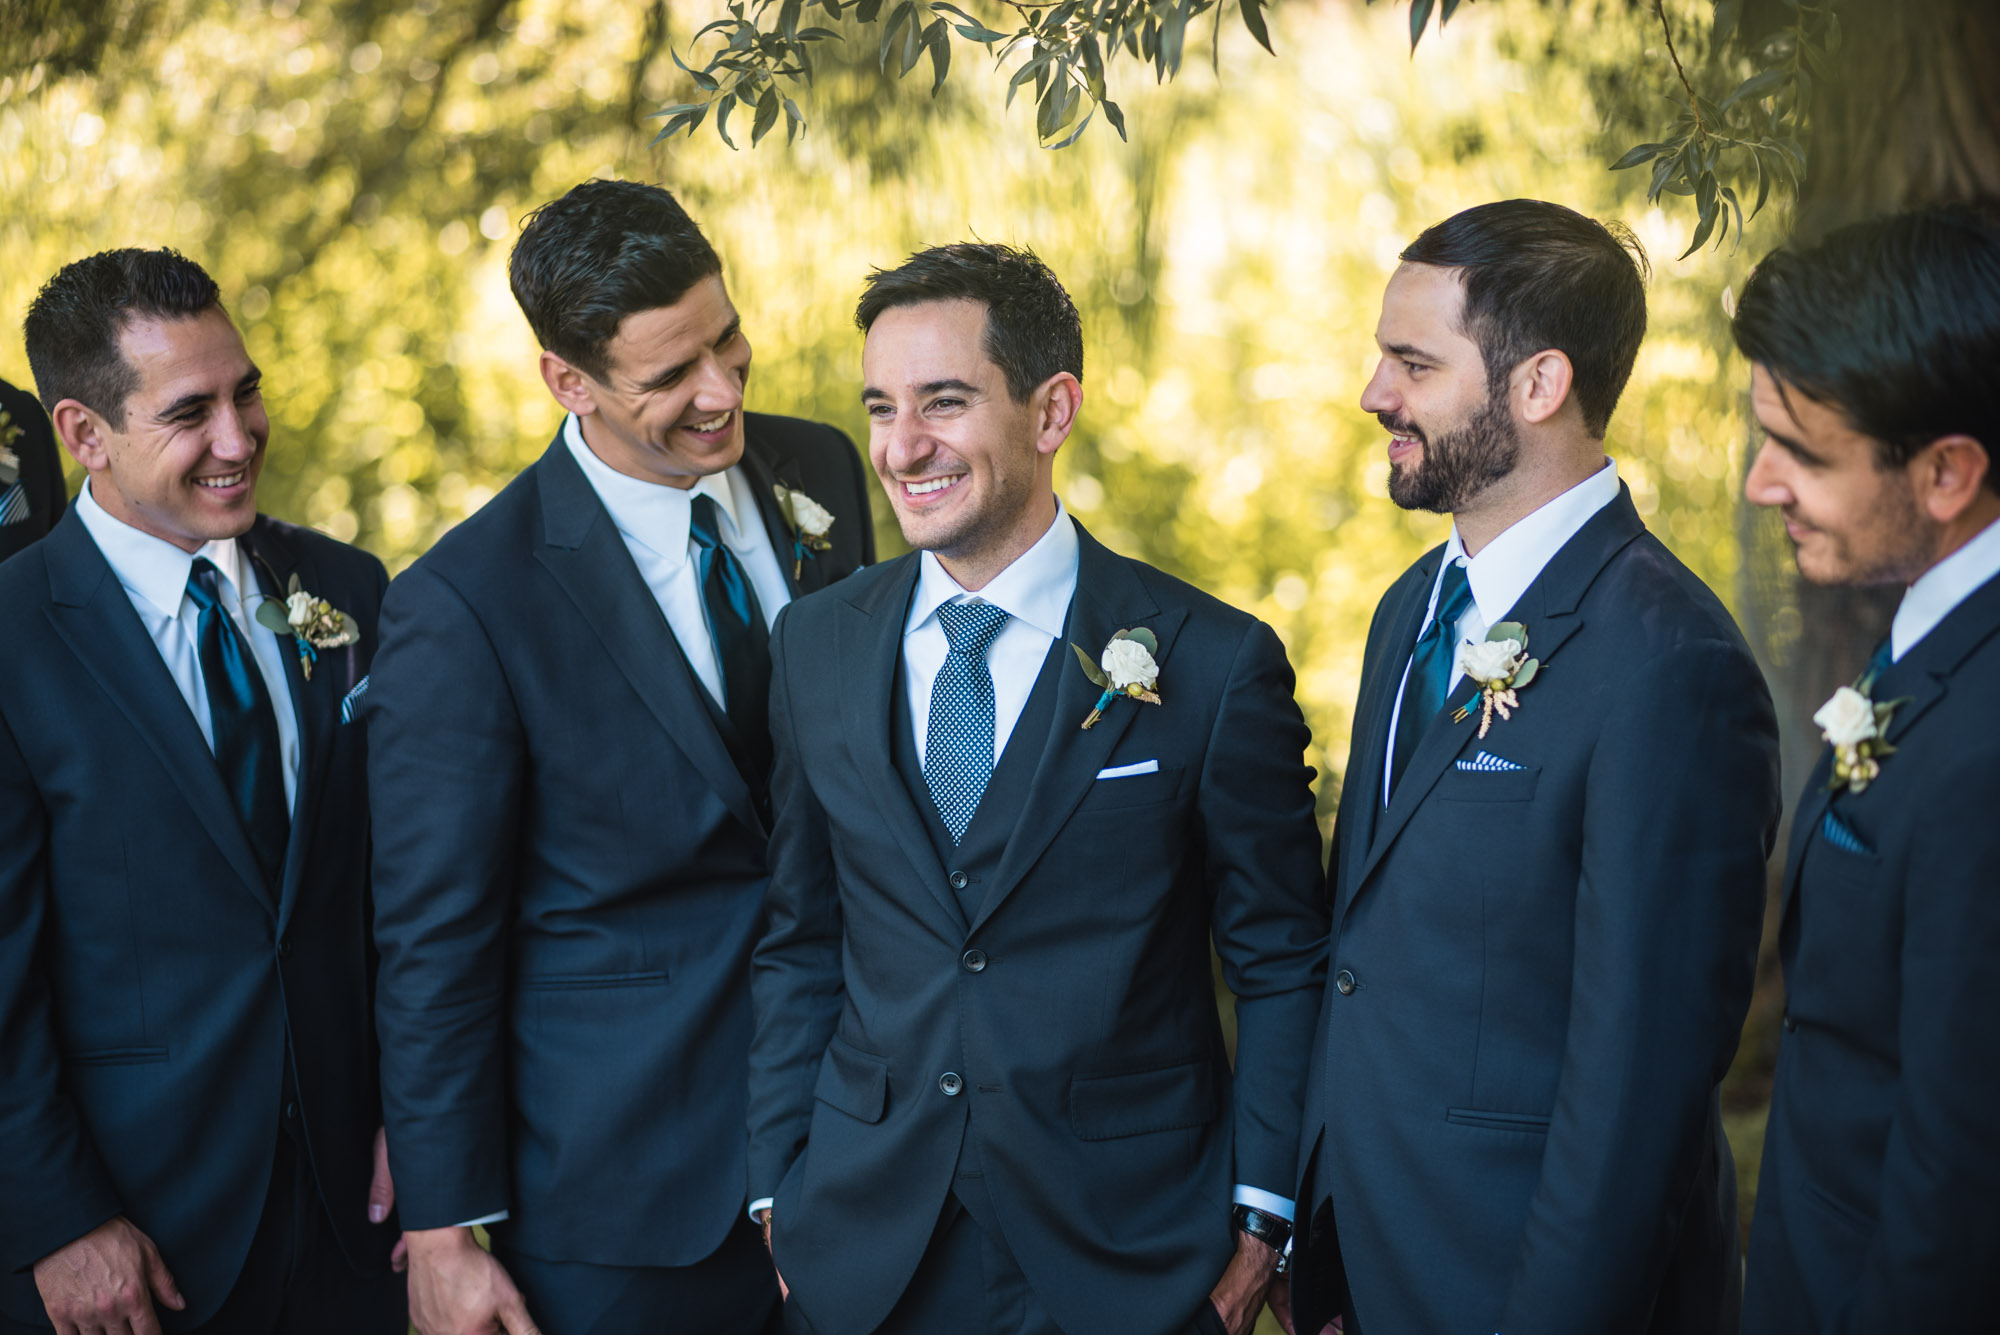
point(457, 1288)
point(106, 1281)
point(1280, 1298)
point(1239, 1294)
point(382, 1199)
point(784, 1291)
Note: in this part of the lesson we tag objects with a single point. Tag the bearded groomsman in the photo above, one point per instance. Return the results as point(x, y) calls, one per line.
point(1550, 849)
point(569, 777)
point(188, 1109)
point(989, 1091)
point(1873, 374)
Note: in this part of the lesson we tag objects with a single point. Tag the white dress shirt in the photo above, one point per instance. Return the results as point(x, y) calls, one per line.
point(1502, 572)
point(1943, 587)
point(154, 574)
point(653, 518)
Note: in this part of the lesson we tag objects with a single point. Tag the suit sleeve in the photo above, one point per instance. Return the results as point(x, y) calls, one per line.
point(446, 759)
point(55, 1188)
point(796, 981)
point(1681, 811)
point(1270, 921)
point(1934, 1262)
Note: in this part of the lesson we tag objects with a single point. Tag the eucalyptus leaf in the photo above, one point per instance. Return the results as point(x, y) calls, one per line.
point(1116, 116)
point(1637, 154)
point(1509, 630)
point(270, 615)
point(1420, 16)
point(1091, 670)
point(1142, 636)
point(767, 114)
point(1253, 19)
point(294, 587)
point(1526, 672)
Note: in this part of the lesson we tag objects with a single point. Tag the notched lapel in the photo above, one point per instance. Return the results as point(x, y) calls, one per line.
point(1371, 729)
point(273, 563)
point(761, 471)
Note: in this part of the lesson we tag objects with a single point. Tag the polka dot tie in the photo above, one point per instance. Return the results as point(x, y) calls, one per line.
point(958, 746)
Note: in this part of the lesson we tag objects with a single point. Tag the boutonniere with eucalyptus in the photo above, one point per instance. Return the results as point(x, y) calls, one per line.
point(1127, 669)
point(1499, 666)
point(1855, 726)
point(312, 622)
point(10, 462)
point(809, 521)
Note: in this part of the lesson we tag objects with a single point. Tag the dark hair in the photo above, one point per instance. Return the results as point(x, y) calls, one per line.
point(604, 251)
point(1537, 276)
point(1032, 328)
point(1894, 322)
point(74, 324)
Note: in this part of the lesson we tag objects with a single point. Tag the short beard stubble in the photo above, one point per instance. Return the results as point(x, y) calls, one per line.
point(1458, 463)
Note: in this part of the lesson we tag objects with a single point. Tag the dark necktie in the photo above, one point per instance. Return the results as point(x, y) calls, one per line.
point(1878, 663)
point(958, 742)
point(1430, 669)
point(241, 721)
point(736, 626)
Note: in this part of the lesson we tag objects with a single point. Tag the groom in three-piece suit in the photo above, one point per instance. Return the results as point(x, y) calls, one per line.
point(1544, 936)
point(569, 775)
point(187, 1066)
point(1873, 375)
point(989, 1086)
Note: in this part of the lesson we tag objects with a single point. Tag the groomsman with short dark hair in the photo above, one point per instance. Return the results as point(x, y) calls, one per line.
point(1873, 372)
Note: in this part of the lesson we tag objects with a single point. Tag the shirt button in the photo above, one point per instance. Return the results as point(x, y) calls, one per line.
point(959, 880)
point(973, 960)
point(1343, 983)
point(950, 1084)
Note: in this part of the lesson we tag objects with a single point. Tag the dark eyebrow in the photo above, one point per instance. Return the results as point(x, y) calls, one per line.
point(1792, 447)
point(187, 401)
point(1410, 350)
point(668, 376)
point(929, 388)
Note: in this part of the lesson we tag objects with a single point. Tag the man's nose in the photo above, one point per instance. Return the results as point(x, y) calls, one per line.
point(1376, 396)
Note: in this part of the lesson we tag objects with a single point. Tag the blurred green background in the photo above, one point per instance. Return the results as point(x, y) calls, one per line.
point(353, 174)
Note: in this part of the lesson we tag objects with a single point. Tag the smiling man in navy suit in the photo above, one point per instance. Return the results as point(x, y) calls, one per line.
point(188, 1110)
point(989, 1089)
point(1549, 858)
point(1873, 373)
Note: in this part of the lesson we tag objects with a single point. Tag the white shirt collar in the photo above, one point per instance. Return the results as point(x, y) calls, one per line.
point(1036, 588)
point(151, 567)
point(650, 513)
point(1506, 566)
point(1943, 587)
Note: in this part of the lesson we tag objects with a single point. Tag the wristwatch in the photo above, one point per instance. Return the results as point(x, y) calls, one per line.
point(1268, 1229)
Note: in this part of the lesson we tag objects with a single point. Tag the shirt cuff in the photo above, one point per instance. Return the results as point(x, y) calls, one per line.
point(493, 1218)
point(761, 1203)
point(1268, 1202)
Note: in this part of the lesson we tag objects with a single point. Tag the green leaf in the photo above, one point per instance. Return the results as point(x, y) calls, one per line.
point(722, 118)
point(940, 45)
point(795, 122)
point(270, 615)
point(767, 115)
point(677, 109)
point(1093, 66)
point(1763, 181)
point(1758, 86)
point(968, 26)
point(1638, 154)
point(1509, 630)
point(1702, 229)
point(1253, 19)
point(1526, 672)
point(1113, 114)
point(1173, 37)
point(914, 39)
point(866, 11)
point(701, 81)
point(1141, 636)
point(1420, 16)
point(294, 587)
point(1074, 134)
point(903, 12)
point(1091, 670)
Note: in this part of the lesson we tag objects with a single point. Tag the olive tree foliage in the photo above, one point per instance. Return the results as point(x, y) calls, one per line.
point(1739, 132)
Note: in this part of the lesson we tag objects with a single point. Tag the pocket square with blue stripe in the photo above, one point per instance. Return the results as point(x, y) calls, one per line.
point(1488, 763)
point(350, 704)
point(1842, 835)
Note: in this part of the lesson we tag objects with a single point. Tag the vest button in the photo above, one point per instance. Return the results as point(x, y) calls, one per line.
point(973, 960)
point(1343, 983)
point(959, 880)
point(950, 1083)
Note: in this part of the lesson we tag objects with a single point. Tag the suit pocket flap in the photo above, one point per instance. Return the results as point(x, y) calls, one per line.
point(1105, 1107)
point(118, 1057)
point(1463, 785)
point(857, 1085)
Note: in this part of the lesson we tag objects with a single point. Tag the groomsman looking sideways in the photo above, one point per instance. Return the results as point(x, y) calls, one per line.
point(1876, 376)
point(989, 1090)
point(188, 1100)
point(569, 779)
point(1547, 901)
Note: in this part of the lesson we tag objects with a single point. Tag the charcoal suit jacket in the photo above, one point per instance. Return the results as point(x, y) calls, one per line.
point(1063, 1032)
point(570, 866)
point(149, 976)
point(1541, 963)
point(1878, 1203)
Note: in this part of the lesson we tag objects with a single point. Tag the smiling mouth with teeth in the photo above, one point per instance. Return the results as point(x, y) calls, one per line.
point(935, 484)
point(220, 483)
point(711, 425)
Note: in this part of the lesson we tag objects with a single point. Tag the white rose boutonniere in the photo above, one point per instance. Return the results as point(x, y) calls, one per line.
point(1499, 666)
point(1126, 667)
point(10, 462)
point(809, 520)
point(1854, 725)
point(312, 622)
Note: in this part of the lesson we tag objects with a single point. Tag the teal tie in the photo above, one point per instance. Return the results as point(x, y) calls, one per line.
point(1430, 669)
point(742, 641)
point(242, 723)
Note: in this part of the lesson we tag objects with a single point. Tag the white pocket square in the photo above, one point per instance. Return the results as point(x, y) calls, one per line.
point(1487, 763)
point(1127, 771)
point(350, 704)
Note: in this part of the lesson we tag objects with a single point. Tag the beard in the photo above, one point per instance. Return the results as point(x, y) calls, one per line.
point(1459, 463)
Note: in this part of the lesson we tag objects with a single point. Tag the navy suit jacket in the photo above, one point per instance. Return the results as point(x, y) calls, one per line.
point(569, 871)
point(147, 978)
point(1878, 1205)
point(1096, 1093)
point(1540, 973)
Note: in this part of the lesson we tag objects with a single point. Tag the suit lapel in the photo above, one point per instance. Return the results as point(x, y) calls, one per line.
point(761, 471)
point(1109, 598)
point(1378, 707)
point(93, 614)
point(867, 653)
point(584, 553)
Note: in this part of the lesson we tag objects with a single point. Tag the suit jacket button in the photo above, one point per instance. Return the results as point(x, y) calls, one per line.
point(950, 1083)
point(1791, 1025)
point(1343, 982)
point(284, 947)
point(973, 960)
point(959, 880)
point(291, 1111)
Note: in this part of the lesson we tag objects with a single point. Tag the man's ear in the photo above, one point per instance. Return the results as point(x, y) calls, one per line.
point(1541, 385)
point(82, 433)
point(1057, 403)
point(1949, 475)
point(569, 386)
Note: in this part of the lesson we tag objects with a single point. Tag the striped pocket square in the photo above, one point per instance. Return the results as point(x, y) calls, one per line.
point(1842, 836)
point(1487, 763)
point(14, 504)
point(350, 704)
